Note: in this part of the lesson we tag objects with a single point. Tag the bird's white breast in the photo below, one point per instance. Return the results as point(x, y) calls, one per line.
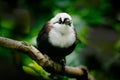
point(65, 40)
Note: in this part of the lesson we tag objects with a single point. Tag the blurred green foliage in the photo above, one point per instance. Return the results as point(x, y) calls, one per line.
point(97, 23)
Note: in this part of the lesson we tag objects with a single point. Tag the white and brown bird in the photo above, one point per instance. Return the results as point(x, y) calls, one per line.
point(57, 38)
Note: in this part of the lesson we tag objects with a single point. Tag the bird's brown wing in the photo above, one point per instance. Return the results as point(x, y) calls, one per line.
point(43, 34)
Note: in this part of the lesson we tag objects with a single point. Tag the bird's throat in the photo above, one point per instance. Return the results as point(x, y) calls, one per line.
point(64, 30)
point(62, 39)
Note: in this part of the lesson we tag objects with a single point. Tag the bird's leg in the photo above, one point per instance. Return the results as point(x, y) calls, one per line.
point(63, 63)
point(60, 60)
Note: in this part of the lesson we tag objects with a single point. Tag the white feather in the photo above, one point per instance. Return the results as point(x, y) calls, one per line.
point(61, 35)
point(60, 15)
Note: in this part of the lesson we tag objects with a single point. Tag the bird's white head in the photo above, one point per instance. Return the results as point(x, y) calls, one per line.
point(62, 18)
point(62, 22)
point(62, 33)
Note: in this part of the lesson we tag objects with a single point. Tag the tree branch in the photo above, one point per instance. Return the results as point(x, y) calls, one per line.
point(48, 65)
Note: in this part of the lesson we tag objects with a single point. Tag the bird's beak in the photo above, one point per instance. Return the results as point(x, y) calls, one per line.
point(67, 22)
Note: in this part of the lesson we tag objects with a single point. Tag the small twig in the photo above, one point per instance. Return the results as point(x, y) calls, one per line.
point(48, 65)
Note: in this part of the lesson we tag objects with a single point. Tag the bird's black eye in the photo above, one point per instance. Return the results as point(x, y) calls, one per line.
point(60, 21)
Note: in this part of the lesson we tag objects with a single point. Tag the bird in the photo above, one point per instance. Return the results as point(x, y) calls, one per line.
point(57, 38)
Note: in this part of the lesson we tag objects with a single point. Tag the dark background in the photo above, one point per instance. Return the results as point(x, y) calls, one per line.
point(97, 23)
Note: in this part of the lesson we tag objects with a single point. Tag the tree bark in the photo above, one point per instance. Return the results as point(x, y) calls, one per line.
point(44, 61)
